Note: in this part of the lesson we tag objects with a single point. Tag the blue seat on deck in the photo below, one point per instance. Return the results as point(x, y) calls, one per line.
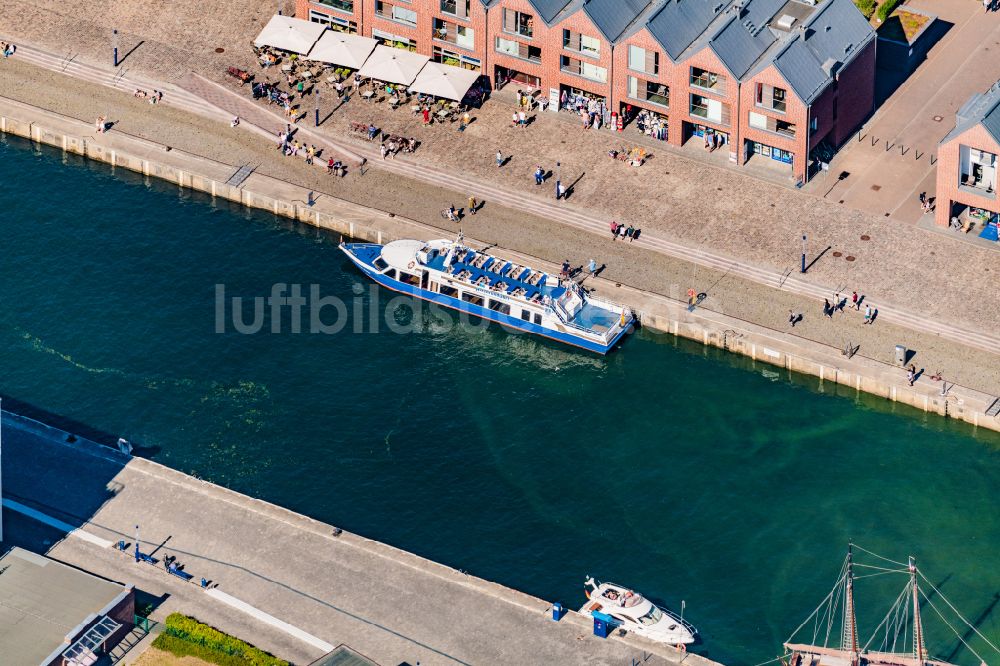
point(524, 273)
point(487, 264)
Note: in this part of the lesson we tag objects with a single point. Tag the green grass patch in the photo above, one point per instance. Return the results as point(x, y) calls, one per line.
point(183, 635)
point(888, 7)
point(867, 7)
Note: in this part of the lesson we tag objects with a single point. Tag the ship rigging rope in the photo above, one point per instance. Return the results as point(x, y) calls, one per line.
point(955, 610)
point(822, 603)
point(769, 661)
point(880, 573)
point(892, 620)
point(955, 631)
point(872, 566)
point(865, 550)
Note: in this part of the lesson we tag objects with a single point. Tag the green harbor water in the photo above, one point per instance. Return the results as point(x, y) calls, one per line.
point(684, 472)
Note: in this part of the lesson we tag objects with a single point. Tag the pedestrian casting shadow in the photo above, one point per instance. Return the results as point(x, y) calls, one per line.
point(505, 161)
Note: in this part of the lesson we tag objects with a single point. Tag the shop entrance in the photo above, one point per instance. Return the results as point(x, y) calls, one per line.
point(650, 123)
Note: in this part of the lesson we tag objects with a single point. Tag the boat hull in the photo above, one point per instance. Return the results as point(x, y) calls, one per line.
point(459, 305)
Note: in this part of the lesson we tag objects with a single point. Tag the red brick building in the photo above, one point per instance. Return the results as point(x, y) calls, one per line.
point(759, 79)
point(967, 166)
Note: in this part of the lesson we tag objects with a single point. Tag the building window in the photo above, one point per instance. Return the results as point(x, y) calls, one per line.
point(339, 5)
point(582, 44)
point(770, 97)
point(641, 60)
point(459, 35)
point(518, 23)
point(396, 13)
point(519, 50)
point(649, 91)
point(459, 8)
point(394, 41)
point(978, 169)
point(706, 80)
point(768, 124)
point(333, 22)
point(445, 57)
point(710, 109)
point(585, 69)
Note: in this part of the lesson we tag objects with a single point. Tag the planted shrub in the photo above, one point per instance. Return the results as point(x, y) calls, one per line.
point(888, 7)
point(867, 7)
point(181, 632)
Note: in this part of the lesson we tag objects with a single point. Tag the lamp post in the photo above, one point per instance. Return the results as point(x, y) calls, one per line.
point(136, 543)
point(316, 88)
point(558, 178)
point(803, 270)
point(114, 46)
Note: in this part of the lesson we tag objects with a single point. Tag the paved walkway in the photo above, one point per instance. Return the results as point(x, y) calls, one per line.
point(226, 103)
point(892, 163)
point(299, 586)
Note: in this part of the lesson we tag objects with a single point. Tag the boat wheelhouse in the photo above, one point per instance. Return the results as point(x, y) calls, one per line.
point(633, 612)
point(456, 276)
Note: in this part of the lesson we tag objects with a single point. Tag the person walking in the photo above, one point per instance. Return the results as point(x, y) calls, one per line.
point(827, 308)
point(561, 191)
point(539, 175)
point(427, 114)
point(868, 314)
point(522, 119)
point(592, 267)
point(854, 300)
point(793, 317)
point(614, 230)
point(499, 158)
point(629, 231)
point(911, 374)
point(565, 268)
point(383, 150)
point(473, 205)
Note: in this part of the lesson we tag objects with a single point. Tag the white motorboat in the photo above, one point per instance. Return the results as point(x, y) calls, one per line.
point(633, 612)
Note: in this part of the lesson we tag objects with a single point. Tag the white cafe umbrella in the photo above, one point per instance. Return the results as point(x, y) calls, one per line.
point(393, 65)
point(444, 81)
point(342, 49)
point(289, 34)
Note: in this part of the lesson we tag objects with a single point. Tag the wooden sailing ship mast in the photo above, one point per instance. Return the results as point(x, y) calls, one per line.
point(895, 624)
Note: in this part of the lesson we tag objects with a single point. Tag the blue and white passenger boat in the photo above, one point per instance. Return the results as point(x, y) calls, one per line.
point(456, 276)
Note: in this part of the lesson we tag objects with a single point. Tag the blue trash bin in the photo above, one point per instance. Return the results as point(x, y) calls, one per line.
point(557, 611)
point(603, 625)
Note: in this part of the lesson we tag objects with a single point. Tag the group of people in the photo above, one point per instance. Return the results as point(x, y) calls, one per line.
point(153, 97)
point(926, 204)
point(623, 232)
point(593, 113)
point(838, 305)
point(714, 140)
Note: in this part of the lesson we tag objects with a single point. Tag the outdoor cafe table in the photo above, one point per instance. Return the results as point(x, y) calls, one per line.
point(368, 94)
point(443, 113)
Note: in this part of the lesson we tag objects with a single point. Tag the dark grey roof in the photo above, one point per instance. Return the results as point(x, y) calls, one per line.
point(828, 40)
point(745, 37)
point(612, 17)
point(549, 9)
point(678, 23)
point(981, 108)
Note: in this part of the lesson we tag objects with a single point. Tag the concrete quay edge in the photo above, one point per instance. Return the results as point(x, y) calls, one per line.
point(269, 511)
point(655, 311)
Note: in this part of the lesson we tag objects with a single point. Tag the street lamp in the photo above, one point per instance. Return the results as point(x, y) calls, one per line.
point(316, 88)
point(114, 46)
point(558, 178)
point(803, 270)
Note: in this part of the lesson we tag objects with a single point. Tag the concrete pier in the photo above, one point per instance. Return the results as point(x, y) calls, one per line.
point(656, 311)
point(289, 584)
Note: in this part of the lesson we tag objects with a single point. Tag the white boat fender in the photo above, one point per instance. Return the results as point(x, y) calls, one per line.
point(411, 264)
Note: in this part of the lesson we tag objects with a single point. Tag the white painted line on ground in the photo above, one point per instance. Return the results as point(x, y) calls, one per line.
point(56, 523)
point(291, 630)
